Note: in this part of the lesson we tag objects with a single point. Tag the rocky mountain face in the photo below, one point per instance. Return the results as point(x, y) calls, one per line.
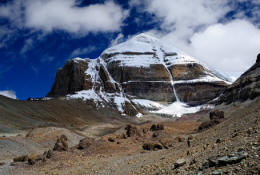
point(247, 86)
point(140, 73)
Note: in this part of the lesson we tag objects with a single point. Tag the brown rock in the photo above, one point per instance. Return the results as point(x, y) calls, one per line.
point(153, 146)
point(35, 158)
point(85, 143)
point(23, 158)
point(208, 124)
point(110, 139)
point(48, 154)
point(157, 127)
point(216, 114)
point(179, 163)
point(132, 131)
point(61, 144)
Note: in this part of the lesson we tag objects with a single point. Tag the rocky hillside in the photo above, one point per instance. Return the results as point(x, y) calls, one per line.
point(141, 74)
point(18, 115)
point(247, 86)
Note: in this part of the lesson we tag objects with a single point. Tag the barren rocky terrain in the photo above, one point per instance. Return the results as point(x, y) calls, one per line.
point(162, 147)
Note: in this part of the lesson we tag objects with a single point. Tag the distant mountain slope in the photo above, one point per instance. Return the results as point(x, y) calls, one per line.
point(16, 115)
point(142, 68)
point(247, 86)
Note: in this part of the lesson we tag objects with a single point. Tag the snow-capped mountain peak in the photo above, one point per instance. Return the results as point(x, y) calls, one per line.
point(139, 75)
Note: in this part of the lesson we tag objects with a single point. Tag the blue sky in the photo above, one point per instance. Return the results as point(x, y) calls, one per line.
point(38, 36)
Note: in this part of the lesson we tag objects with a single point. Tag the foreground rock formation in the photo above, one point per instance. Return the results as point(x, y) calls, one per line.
point(142, 68)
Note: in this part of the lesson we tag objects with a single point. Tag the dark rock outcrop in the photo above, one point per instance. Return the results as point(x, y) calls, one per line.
point(247, 86)
point(216, 114)
point(200, 92)
point(71, 78)
point(215, 117)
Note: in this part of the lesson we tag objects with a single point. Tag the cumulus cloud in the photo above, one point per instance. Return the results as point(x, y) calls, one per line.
point(230, 47)
point(201, 29)
point(183, 16)
point(49, 15)
point(9, 94)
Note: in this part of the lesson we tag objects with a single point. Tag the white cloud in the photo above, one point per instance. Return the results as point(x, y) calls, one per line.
point(117, 40)
point(83, 51)
point(201, 29)
point(49, 15)
point(183, 17)
point(28, 44)
point(9, 94)
point(230, 47)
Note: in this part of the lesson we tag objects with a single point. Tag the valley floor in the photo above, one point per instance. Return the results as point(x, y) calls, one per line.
point(117, 150)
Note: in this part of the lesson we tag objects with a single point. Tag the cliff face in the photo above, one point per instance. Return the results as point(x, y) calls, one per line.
point(141, 68)
point(247, 86)
point(70, 78)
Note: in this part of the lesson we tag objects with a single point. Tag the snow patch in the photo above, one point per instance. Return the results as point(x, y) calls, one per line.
point(77, 60)
point(120, 101)
point(9, 94)
point(147, 104)
point(85, 95)
point(135, 60)
point(91, 71)
point(177, 109)
point(206, 78)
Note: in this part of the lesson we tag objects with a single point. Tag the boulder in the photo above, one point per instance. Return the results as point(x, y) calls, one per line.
point(179, 163)
point(216, 114)
point(208, 124)
point(110, 139)
point(48, 154)
point(61, 144)
point(35, 158)
point(23, 158)
point(153, 146)
point(229, 159)
point(132, 131)
point(157, 127)
point(85, 143)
